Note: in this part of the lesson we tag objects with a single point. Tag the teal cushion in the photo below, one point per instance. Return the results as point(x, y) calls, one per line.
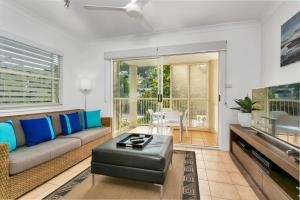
point(7, 134)
point(91, 119)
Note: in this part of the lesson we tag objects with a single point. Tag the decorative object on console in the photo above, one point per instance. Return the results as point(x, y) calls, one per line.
point(38, 130)
point(70, 123)
point(7, 134)
point(91, 119)
point(135, 140)
point(245, 109)
point(85, 88)
point(290, 41)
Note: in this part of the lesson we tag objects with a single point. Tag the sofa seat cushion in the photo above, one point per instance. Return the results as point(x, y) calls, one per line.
point(24, 158)
point(89, 135)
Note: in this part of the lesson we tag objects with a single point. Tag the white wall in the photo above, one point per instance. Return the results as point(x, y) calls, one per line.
point(243, 57)
point(243, 61)
point(272, 73)
point(17, 24)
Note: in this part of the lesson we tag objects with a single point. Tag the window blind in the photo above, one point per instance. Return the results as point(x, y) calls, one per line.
point(29, 76)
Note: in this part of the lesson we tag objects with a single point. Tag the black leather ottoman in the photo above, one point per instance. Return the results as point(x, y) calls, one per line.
point(149, 164)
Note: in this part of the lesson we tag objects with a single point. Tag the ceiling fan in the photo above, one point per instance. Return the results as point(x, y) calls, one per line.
point(133, 9)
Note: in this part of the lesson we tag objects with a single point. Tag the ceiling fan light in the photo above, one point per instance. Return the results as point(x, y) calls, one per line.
point(133, 10)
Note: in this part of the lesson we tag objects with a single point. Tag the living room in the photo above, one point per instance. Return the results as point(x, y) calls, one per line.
point(81, 40)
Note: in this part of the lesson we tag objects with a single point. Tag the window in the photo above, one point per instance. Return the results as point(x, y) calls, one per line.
point(29, 76)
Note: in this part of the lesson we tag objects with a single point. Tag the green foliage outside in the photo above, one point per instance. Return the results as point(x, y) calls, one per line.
point(147, 88)
point(147, 81)
point(124, 80)
point(290, 91)
point(124, 123)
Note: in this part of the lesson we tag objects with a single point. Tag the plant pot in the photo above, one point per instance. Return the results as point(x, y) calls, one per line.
point(244, 119)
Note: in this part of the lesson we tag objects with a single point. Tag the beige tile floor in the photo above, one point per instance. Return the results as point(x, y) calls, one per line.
point(219, 178)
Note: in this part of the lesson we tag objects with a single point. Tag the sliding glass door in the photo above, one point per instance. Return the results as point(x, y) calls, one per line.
point(121, 98)
point(187, 84)
point(137, 86)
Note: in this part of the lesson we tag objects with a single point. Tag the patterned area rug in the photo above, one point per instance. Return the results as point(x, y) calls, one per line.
point(186, 183)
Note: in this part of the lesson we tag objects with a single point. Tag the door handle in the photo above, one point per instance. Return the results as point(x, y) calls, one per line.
point(159, 98)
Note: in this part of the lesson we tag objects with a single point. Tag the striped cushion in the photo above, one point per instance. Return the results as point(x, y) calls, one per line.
point(38, 130)
point(7, 134)
point(91, 119)
point(70, 123)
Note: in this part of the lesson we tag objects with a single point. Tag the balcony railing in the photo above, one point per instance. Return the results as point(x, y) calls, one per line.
point(197, 110)
point(291, 107)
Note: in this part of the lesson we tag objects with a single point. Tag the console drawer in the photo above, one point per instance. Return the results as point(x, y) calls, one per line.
point(272, 190)
point(253, 169)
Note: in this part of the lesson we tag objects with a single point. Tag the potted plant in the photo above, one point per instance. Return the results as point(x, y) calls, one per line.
point(245, 109)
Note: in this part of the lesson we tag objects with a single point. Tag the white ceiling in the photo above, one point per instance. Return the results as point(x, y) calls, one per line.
point(163, 15)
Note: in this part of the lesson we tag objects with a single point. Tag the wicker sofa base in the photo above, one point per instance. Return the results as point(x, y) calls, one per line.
point(23, 182)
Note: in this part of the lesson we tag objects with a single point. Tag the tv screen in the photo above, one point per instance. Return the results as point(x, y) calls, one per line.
point(279, 112)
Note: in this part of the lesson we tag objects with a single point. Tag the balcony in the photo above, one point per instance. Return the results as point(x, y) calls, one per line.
point(190, 88)
point(197, 110)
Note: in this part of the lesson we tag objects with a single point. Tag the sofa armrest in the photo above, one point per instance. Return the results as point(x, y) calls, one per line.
point(4, 171)
point(106, 121)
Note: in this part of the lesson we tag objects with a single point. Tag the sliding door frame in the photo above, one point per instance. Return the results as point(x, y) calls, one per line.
point(219, 46)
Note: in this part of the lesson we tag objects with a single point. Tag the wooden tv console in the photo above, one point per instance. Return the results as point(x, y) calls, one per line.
point(277, 182)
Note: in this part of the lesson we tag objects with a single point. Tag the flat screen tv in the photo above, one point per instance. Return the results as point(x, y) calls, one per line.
point(279, 112)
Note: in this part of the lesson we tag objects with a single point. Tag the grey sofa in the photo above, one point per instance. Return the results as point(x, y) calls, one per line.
point(27, 167)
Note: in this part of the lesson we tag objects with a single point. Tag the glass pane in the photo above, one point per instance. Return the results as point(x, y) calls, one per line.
point(147, 82)
point(279, 112)
point(121, 95)
point(147, 89)
point(198, 113)
point(180, 81)
point(166, 81)
point(124, 79)
point(198, 82)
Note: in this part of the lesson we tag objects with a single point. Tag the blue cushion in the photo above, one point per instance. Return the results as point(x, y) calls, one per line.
point(91, 119)
point(7, 134)
point(70, 123)
point(38, 130)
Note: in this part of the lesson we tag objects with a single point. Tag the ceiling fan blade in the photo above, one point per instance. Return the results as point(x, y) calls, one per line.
point(141, 3)
point(94, 7)
point(145, 23)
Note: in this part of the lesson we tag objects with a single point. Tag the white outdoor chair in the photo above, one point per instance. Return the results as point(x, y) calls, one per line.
point(156, 121)
point(171, 120)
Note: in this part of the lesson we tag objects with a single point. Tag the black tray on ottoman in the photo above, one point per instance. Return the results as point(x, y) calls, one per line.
point(127, 141)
